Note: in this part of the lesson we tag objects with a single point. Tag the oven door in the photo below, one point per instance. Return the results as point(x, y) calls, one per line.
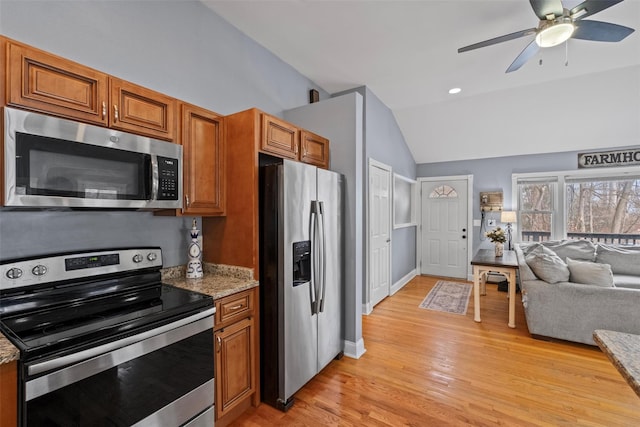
point(162, 377)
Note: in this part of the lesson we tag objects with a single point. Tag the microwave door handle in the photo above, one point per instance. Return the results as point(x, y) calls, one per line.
point(154, 177)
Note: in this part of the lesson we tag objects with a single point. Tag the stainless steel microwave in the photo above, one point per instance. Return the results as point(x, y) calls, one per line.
point(53, 162)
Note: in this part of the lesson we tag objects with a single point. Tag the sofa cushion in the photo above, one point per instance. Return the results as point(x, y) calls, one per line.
point(582, 250)
point(622, 260)
point(590, 273)
point(546, 265)
point(626, 281)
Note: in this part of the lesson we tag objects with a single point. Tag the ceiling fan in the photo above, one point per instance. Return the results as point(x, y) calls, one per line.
point(557, 25)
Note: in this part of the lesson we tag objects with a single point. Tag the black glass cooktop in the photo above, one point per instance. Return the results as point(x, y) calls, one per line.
point(64, 317)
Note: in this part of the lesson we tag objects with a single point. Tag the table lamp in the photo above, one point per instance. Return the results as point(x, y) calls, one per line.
point(508, 217)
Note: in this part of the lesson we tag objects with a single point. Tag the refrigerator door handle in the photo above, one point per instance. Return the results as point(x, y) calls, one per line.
point(323, 255)
point(313, 230)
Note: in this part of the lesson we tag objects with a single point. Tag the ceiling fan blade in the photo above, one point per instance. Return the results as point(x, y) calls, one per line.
point(591, 7)
point(524, 56)
point(600, 31)
point(542, 8)
point(497, 40)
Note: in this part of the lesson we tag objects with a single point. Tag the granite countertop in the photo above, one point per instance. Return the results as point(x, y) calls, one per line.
point(8, 352)
point(218, 281)
point(624, 352)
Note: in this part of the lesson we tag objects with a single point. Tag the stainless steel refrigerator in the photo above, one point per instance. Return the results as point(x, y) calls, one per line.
point(301, 276)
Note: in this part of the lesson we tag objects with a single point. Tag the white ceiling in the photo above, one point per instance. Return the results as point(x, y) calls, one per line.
point(405, 52)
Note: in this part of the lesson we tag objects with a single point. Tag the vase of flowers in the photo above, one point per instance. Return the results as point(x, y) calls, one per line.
point(498, 237)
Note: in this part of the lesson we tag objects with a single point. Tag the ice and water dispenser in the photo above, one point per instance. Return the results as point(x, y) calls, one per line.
point(301, 262)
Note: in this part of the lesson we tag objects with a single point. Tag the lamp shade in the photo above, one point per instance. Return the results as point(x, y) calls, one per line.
point(508, 217)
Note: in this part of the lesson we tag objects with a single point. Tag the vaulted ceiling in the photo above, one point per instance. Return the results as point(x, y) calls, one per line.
point(575, 96)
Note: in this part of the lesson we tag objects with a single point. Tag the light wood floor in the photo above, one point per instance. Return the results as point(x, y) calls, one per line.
point(427, 368)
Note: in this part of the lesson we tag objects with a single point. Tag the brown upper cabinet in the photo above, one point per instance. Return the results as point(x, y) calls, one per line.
point(283, 139)
point(314, 149)
point(47, 83)
point(279, 138)
point(203, 153)
point(141, 110)
point(234, 239)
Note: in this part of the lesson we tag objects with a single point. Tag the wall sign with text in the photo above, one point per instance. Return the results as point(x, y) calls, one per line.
point(609, 158)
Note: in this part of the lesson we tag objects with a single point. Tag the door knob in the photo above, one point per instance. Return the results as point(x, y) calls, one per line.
point(464, 230)
point(464, 236)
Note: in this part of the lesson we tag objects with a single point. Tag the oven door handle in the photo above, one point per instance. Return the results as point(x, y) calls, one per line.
point(109, 347)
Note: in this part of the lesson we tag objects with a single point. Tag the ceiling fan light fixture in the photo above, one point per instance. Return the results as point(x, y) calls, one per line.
point(555, 34)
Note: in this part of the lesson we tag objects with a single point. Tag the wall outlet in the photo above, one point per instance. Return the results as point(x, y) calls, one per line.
point(491, 222)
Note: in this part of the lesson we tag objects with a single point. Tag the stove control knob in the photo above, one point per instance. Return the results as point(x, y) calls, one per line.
point(137, 258)
point(39, 270)
point(152, 256)
point(14, 273)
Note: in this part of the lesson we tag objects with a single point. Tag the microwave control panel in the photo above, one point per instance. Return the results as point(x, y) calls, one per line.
point(167, 178)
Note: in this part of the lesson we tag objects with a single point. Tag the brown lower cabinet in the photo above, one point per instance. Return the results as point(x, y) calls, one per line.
point(236, 352)
point(9, 394)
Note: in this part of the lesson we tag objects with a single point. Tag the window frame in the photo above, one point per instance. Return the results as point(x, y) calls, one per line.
point(408, 186)
point(559, 211)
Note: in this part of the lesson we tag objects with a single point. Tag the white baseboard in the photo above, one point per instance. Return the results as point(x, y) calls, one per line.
point(403, 281)
point(354, 350)
point(367, 308)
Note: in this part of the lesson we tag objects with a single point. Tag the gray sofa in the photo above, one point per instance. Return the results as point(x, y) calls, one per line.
point(571, 288)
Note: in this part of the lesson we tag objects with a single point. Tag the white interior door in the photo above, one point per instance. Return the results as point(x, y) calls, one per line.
point(444, 228)
point(379, 232)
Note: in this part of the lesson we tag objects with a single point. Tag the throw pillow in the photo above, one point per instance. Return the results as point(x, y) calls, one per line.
point(590, 273)
point(583, 250)
point(546, 265)
point(622, 260)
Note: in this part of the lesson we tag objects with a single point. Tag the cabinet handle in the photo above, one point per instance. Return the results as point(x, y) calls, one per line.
point(236, 307)
point(219, 344)
point(104, 109)
point(115, 112)
point(187, 198)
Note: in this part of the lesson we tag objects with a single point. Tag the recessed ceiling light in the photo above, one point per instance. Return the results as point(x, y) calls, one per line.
point(455, 90)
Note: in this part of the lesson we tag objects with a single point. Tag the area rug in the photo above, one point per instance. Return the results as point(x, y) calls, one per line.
point(450, 297)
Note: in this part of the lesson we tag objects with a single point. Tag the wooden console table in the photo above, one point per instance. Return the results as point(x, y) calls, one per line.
point(483, 262)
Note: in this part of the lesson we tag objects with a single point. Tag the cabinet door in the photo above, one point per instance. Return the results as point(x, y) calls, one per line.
point(235, 373)
point(50, 84)
point(314, 149)
point(9, 394)
point(140, 110)
point(279, 137)
point(204, 162)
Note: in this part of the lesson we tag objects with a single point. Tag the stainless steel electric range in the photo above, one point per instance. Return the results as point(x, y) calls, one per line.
point(103, 342)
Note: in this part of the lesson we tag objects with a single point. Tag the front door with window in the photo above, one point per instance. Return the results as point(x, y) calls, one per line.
point(444, 228)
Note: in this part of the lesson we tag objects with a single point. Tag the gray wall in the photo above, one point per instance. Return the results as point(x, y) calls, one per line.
point(180, 48)
point(495, 175)
point(384, 142)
